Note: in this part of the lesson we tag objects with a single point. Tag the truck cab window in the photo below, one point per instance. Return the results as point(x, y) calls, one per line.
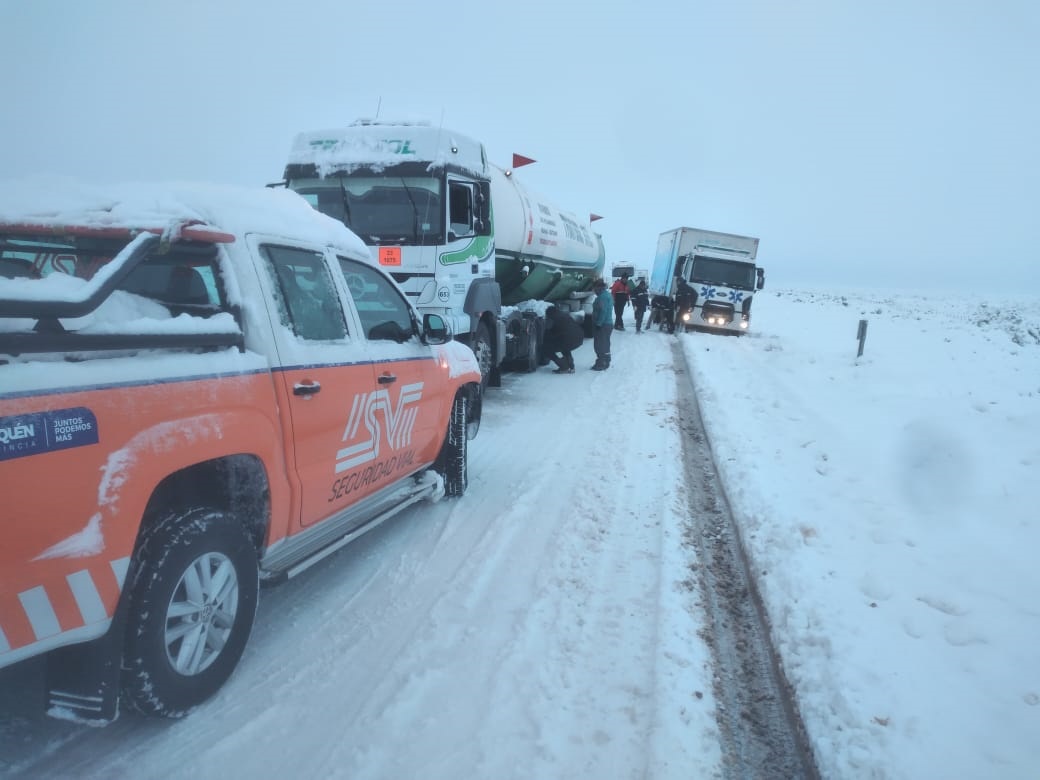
point(461, 198)
point(307, 299)
point(384, 313)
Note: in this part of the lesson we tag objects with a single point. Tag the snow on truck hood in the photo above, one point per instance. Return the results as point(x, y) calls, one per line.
point(229, 208)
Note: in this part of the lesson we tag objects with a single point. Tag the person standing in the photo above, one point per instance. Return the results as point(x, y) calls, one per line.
point(562, 335)
point(685, 297)
point(640, 302)
point(619, 291)
point(601, 307)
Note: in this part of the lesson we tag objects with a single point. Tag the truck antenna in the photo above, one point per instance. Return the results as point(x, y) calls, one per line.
point(379, 104)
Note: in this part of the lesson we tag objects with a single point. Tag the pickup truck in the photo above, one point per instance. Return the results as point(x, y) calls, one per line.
point(202, 389)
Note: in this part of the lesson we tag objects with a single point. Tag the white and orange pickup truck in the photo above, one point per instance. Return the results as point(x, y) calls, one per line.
point(202, 389)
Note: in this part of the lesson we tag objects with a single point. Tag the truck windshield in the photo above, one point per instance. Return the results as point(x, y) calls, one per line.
point(403, 210)
point(725, 272)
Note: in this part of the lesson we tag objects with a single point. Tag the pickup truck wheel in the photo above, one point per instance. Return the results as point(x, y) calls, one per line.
point(193, 596)
point(452, 463)
point(482, 349)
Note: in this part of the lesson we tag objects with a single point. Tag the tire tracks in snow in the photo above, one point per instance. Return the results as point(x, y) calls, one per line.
point(762, 732)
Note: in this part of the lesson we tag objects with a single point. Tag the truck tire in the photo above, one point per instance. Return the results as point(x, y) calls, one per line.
point(193, 594)
point(485, 355)
point(534, 345)
point(452, 462)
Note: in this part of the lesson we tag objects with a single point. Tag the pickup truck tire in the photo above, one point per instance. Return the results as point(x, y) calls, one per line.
point(452, 462)
point(193, 595)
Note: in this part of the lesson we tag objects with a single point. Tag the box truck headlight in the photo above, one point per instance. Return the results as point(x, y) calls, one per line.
point(743, 324)
point(686, 316)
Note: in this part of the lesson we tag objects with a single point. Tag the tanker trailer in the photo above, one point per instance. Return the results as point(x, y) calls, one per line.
point(541, 252)
point(461, 237)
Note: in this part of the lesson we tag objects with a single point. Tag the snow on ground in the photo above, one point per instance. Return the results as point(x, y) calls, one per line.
point(889, 504)
point(540, 626)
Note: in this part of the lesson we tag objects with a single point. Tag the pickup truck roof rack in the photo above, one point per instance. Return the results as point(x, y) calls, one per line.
point(49, 335)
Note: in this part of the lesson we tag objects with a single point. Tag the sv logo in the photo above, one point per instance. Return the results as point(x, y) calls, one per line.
point(374, 410)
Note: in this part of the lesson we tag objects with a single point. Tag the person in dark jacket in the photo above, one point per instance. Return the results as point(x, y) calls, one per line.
point(562, 335)
point(619, 291)
point(640, 302)
point(685, 297)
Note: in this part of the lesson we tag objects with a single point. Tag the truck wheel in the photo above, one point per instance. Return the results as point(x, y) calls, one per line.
point(534, 345)
point(452, 462)
point(193, 595)
point(482, 349)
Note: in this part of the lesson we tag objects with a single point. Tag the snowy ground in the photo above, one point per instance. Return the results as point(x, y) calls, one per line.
point(540, 627)
point(890, 506)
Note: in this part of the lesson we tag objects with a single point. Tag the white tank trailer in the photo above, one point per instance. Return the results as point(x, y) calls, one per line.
point(462, 237)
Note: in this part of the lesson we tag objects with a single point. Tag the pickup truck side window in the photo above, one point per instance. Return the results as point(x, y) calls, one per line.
point(306, 296)
point(384, 312)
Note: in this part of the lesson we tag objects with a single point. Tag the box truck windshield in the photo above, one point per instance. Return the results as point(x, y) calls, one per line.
point(725, 272)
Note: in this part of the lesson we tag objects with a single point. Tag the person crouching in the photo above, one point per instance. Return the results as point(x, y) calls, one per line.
point(562, 335)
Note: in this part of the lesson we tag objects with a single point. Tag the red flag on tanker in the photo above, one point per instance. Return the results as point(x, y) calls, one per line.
point(594, 217)
point(519, 160)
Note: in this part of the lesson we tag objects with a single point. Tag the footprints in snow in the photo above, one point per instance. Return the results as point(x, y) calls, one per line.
point(952, 621)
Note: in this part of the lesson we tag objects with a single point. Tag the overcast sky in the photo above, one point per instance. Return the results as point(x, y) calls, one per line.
point(891, 143)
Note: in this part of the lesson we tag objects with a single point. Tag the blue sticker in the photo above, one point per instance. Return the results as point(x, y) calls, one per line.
point(31, 434)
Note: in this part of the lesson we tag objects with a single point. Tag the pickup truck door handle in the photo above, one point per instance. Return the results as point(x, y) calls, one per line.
point(306, 388)
point(387, 379)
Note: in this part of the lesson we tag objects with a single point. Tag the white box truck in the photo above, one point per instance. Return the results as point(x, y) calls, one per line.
point(703, 279)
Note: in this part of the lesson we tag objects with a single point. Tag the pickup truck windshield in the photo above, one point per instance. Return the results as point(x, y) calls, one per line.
point(403, 210)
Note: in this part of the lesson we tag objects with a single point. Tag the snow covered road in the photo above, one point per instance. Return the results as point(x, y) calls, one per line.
point(538, 627)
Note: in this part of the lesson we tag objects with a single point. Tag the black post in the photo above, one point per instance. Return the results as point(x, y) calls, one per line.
point(862, 336)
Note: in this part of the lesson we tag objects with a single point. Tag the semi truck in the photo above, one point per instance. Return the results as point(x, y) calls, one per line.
point(463, 237)
point(703, 279)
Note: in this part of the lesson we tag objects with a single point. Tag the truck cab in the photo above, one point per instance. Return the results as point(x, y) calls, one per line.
point(419, 197)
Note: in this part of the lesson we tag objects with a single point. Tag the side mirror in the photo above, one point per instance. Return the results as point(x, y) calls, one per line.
point(435, 329)
point(761, 278)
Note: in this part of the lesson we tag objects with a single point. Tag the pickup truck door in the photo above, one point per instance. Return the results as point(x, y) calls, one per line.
point(412, 407)
point(322, 366)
